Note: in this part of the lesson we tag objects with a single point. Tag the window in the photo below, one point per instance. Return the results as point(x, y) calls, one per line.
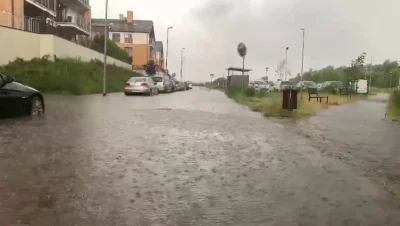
point(116, 37)
point(128, 38)
point(129, 50)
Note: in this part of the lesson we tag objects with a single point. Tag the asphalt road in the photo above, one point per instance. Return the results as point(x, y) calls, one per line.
point(187, 158)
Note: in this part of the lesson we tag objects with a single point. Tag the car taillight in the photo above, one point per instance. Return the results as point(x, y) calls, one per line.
point(144, 84)
point(127, 84)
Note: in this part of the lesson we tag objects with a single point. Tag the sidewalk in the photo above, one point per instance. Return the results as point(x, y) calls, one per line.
point(358, 135)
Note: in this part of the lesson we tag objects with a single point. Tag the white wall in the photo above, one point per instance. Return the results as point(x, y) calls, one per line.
point(16, 43)
point(137, 38)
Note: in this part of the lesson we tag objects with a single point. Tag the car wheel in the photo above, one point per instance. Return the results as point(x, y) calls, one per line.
point(156, 91)
point(37, 106)
point(126, 94)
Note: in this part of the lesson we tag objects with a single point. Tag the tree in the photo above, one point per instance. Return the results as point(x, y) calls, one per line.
point(280, 69)
point(150, 67)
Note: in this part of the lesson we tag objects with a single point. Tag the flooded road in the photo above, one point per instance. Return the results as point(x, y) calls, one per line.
point(187, 158)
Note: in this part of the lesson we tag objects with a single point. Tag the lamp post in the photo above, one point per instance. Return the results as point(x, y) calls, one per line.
point(302, 64)
point(182, 61)
point(287, 48)
point(390, 81)
point(105, 49)
point(266, 72)
point(166, 59)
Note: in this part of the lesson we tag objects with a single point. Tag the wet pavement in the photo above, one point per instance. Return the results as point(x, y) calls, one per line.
point(358, 134)
point(187, 158)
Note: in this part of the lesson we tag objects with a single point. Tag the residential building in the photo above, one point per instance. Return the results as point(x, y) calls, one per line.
point(137, 37)
point(160, 53)
point(69, 19)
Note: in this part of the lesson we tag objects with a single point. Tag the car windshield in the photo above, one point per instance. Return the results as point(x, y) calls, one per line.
point(139, 79)
point(157, 79)
point(335, 83)
point(285, 83)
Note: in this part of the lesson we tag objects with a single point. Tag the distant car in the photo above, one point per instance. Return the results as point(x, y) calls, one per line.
point(306, 84)
point(141, 85)
point(261, 85)
point(17, 99)
point(190, 86)
point(180, 86)
point(164, 84)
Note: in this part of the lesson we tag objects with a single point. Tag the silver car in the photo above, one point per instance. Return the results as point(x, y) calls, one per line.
point(140, 85)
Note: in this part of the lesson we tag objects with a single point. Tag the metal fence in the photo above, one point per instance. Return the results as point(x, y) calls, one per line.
point(20, 22)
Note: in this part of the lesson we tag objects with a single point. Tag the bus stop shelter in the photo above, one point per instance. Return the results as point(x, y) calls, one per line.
point(237, 76)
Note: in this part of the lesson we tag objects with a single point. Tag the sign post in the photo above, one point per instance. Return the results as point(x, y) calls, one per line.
point(242, 51)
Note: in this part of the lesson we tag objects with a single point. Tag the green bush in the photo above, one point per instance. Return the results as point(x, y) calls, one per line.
point(394, 105)
point(67, 75)
point(113, 50)
point(249, 92)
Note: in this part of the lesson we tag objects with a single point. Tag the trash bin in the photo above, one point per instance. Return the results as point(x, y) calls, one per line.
point(293, 99)
point(286, 99)
point(289, 99)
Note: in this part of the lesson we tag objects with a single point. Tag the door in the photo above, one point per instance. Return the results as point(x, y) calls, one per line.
point(12, 101)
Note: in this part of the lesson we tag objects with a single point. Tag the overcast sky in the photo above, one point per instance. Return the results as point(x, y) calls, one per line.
point(337, 31)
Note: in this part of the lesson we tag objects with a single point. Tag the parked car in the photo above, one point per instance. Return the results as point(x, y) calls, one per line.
point(280, 85)
point(17, 99)
point(180, 86)
point(189, 85)
point(141, 85)
point(261, 85)
point(306, 84)
point(163, 83)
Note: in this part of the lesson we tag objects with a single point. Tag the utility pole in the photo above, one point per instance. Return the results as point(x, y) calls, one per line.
point(105, 50)
point(182, 61)
point(287, 48)
point(166, 58)
point(370, 77)
point(302, 64)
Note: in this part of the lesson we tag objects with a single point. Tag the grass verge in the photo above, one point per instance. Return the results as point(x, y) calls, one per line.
point(270, 104)
point(394, 106)
point(67, 76)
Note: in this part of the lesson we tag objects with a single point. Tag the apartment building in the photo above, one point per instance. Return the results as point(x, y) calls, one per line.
point(160, 53)
point(69, 19)
point(137, 37)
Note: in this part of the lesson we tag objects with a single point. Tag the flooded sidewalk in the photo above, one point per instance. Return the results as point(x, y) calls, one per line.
point(358, 134)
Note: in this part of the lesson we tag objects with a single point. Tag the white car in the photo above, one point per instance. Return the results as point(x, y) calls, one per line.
point(261, 85)
point(140, 85)
point(163, 83)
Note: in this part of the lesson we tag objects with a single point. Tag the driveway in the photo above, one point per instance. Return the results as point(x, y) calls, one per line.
point(187, 158)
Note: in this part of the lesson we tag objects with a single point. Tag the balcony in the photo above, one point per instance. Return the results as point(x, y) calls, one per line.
point(48, 6)
point(80, 5)
point(76, 22)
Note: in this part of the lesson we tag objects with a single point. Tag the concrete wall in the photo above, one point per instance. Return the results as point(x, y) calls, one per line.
point(15, 43)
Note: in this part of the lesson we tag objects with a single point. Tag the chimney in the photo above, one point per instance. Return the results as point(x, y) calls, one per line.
point(121, 17)
point(130, 16)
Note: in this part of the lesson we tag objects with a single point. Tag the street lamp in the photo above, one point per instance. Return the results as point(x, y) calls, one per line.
point(105, 49)
point(390, 81)
point(182, 61)
point(287, 48)
point(266, 72)
point(166, 60)
point(302, 63)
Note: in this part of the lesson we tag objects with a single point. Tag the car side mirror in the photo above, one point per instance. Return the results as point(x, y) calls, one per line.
point(9, 79)
point(155, 83)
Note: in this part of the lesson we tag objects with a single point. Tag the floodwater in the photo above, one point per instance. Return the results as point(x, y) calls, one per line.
point(186, 158)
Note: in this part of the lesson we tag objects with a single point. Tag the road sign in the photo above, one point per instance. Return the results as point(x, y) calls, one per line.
point(242, 49)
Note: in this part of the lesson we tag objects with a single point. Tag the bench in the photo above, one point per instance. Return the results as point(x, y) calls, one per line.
point(343, 91)
point(313, 93)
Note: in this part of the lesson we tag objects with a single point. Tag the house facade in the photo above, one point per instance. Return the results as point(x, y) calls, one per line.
point(69, 19)
point(137, 37)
